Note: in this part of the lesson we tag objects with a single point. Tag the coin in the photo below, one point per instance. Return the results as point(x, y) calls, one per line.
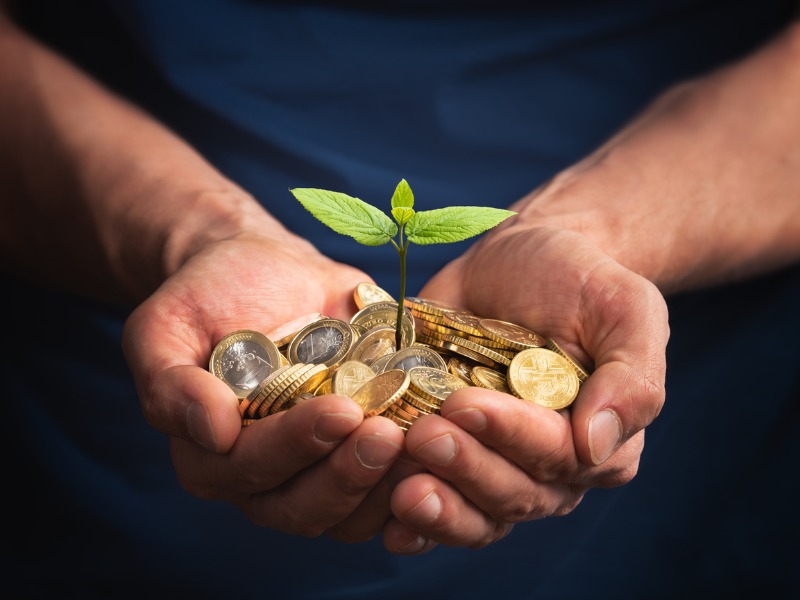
point(368, 293)
point(244, 358)
point(583, 375)
point(249, 405)
point(379, 364)
point(420, 403)
point(510, 334)
point(544, 377)
point(380, 392)
point(385, 314)
point(489, 379)
point(460, 369)
point(433, 307)
point(415, 356)
point(497, 357)
point(307, 378)
point(373, 344)
point(326, 387)
point(463, 321)
point(434, 384)
point(350, 376)
point(326, 341)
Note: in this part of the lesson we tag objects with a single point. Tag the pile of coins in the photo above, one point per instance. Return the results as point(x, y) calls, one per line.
point(443, 348)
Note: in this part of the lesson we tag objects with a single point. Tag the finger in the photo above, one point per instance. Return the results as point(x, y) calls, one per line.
point(191, 403)
point(371, 516)
point(270, 451)
point(491, 481)
point(401, 539)
point(323, 495)
point(437, 512)
point(537, 439)
point(628, 318)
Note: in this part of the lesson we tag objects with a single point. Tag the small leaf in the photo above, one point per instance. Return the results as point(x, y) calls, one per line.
point(402, 214)
point(403, 197)
point(453, 224)
point(347, 215)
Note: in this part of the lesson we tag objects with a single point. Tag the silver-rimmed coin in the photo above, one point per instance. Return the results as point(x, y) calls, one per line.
point(385, 314)
point(415, 356)
point(284, 334)
point(433, 384)
point(243, 359)
point(379, 364)
point(326, 341)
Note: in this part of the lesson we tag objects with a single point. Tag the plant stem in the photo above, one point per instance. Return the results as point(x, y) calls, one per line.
point(401, 251)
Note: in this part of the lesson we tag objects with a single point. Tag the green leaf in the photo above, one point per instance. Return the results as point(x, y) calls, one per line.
point(403, 197)
point(347, 215)
point(453, 224)
point(402, 214)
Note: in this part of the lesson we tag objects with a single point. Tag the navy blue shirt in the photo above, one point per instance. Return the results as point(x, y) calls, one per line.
point(474, 103)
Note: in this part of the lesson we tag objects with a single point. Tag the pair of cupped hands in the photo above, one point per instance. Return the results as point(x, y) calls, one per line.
point(461, 478)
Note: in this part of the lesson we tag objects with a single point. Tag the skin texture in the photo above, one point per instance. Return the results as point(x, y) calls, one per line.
point(154, 226)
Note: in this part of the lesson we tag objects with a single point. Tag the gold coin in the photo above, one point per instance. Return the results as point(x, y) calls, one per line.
point(466, 322)
point(276, 387)
point(432, 307)
point(460, 350)
point(415, 356)
point(583, 375)
point(385, 314)
point(249, 406)
point(423, 404)
point(350, 376)
point(434, 384)
point(544, 377)
point(407, 410)
point(397, 410)
point(243, 359)
point(368, 293)
point(489, 378)
point(460, 369)
point(399, 421)
point(482, 350)
point(327, 341)
point(380, 392)
point(510, 334)
point(326, 387)
point(373, 344)
point(432, 328)
point(305, 379)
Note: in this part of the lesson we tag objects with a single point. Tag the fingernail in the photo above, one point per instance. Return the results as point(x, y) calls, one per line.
point(198, 422)
point(605, 433)
point(426, 511)
point(415, 545)
point(439, 451)
point(332, 427)
point(472, 420)
point(376, 452)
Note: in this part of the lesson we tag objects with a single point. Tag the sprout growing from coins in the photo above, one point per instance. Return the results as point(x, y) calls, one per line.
point(370, 226)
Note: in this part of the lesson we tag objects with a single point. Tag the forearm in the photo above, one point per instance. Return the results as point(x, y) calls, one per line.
point(97, 196)
point(704, 187)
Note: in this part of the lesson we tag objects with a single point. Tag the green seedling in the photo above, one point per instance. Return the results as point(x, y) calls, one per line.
point(370, 226)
